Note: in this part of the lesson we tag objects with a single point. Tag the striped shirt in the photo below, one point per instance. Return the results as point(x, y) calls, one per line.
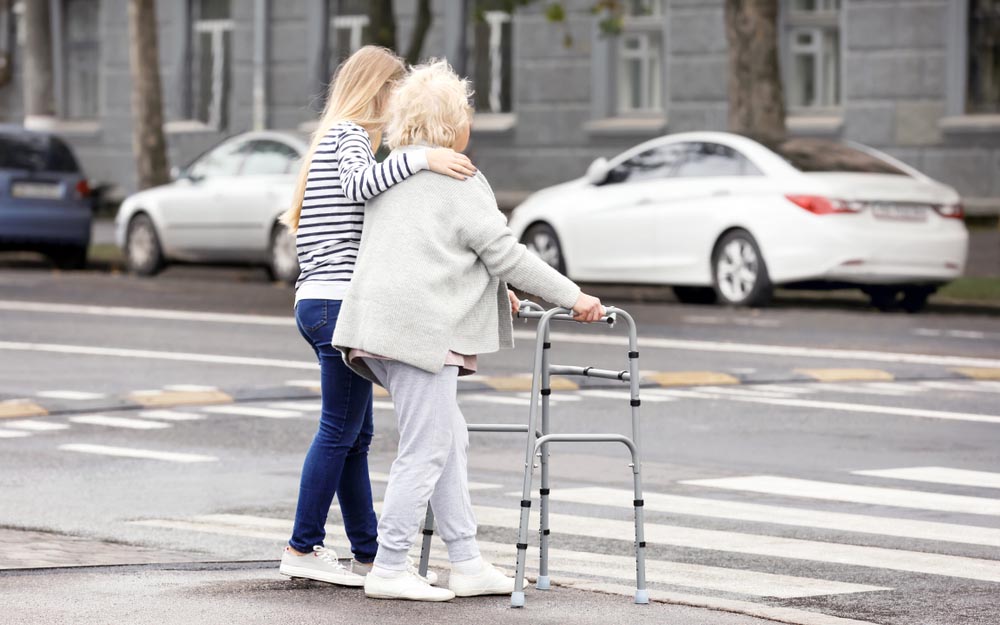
point(343, 175)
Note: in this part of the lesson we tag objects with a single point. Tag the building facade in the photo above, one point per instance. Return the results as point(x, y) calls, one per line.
point(919, 79)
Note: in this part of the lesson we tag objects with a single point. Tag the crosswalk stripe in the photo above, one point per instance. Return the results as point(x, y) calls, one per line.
point(624, 395)
point(250, 411)
point(834, 491)
point(957, 386)
point(905, 389)
point(119, 422)
point(502, 400)
point(789, 389)
point(13, 434)
point(127, 452)
point(855, 389)
point(303, 406)
point(939, 475)
point(35, 426)
point(741, 392)
point(756, 544)
point(555, 398)
point(192, 388)
point(871, 408)
point(170, 415)
point(781, 515)
point(995, 386)
point(77, 395)
point(677, 394)
point(740, 581)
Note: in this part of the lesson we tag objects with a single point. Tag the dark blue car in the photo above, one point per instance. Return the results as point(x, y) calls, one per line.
point(45, 202)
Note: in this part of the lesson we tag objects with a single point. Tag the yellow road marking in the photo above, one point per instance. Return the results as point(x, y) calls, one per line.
point(523, 383)
point(846, 375)
point(180, 398)
point(979, 373)
point(690, 378)
point(21, 408)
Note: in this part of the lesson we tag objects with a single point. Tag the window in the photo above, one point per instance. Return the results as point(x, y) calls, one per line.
point(36, 152)
point(983, 84)
point(81, 49)
point(211, 62)
point(224, 160)
point(806, 154)
point(656, 163)
point(640, 53)
point(491, 62)
point(348, 28)
point(267, 158)
point(712, 159)
point(812, 33)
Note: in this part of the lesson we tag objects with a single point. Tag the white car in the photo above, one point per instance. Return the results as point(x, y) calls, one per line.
point(721, 217)
point(222, 208)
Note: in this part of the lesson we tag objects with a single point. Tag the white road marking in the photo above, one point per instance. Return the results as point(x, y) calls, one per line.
point(854, 389)
point(35, 426)
point(251, 411)
point(75, 395)
point(495, 399)
point(677, 394)
point(737, 321)
point(146, 354)
point(740, 392)
point(895, 386)
point(303, 383)
point(740, 581)
point(303, 406)
point(383, 405)
point(555, 398)
point(624, 395)
point(874, 495)
point(955, 386)
point(119, 422)
point(938, 475)
point(788, 389)
point(145, 313)
point(170, 415)
point(957, 334)
point(13, 434)
point(729, 347)
point(127, 452)
point(872, 409)
point(190, 388)
point(755, 544)
point(987, 384)
point(783, 515)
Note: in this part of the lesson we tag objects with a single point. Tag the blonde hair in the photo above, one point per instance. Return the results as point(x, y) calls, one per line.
point(358, 93)
point(430, 105)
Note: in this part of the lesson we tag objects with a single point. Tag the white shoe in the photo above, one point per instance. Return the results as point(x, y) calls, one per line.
point(488, 581)
point(405, 585)
point(431, 577)
point(321, 565)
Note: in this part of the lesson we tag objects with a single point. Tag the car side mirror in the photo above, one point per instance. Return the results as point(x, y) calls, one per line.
point(597, 173)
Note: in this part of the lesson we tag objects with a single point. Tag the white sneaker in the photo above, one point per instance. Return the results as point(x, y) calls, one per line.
point(321, 565)
point(405, 585)
point(488, 581)
point(431, 577)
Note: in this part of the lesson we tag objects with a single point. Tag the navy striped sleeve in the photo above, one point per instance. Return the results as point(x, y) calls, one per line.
point(362, 177)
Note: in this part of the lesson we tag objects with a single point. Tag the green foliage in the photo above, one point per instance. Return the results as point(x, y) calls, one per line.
point(555, 12)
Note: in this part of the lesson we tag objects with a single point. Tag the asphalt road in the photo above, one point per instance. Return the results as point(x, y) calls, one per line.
point(760, 495)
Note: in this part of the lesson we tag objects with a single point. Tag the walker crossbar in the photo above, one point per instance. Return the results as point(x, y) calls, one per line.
point(538, 445)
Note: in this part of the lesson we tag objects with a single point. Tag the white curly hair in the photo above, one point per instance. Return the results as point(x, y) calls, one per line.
point(429, 106)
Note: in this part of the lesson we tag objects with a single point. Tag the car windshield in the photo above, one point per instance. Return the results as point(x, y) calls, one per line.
point(35, 153)
point(822, 155)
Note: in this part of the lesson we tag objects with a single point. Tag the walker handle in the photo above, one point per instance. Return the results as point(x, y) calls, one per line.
point(531, 310)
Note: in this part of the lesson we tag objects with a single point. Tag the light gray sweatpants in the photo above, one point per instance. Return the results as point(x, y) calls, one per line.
point(431, 464)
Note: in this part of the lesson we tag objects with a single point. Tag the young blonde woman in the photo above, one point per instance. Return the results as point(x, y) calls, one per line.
point(338, 175)
point(429, 295)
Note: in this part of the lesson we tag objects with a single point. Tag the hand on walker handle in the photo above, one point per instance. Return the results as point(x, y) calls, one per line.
point(450, 163)
point(587, 308)
point(515, 303)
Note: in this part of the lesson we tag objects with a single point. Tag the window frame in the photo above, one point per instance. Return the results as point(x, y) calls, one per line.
point(818, 23)
point(217, 29)
point(646, 28)
point(65, 50)
point(957, 68)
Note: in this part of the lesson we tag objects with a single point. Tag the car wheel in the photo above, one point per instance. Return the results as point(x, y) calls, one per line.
point(143, 254)
point(915, 298)
point(695, 294)
point(541, 239)
point(284, 263)
point(739, 273)
point(69, 258)
point(883, 298)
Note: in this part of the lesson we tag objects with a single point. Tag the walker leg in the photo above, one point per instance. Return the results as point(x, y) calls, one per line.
point(425, 547)
point(641, 594)
point(517, 597)
point(543, 582)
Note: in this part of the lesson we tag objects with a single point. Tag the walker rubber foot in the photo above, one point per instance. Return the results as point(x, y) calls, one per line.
point(542, 583)
point(642, 597)
point(517, 599)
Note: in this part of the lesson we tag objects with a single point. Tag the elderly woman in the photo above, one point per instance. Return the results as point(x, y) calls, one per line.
point(429, 295)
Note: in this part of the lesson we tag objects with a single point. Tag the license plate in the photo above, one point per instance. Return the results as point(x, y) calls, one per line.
point(36, 190)
point(900, 212)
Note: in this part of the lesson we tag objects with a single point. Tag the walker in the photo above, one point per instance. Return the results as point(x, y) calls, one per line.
point(538, 441)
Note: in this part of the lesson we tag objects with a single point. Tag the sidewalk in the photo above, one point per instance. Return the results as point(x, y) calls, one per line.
point(167, 591)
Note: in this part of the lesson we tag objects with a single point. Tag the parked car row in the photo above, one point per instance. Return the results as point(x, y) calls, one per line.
point(717, 216)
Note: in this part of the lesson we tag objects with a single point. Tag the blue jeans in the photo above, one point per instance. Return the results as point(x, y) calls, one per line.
point(337, 462)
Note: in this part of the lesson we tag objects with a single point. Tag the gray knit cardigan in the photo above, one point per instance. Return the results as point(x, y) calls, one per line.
point(431, 276)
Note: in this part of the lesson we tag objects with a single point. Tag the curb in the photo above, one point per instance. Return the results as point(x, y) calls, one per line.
point(25, 408)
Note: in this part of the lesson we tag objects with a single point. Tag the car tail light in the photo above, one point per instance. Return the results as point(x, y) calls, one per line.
point(952, 211)
point(819, 205)
point(83, 189)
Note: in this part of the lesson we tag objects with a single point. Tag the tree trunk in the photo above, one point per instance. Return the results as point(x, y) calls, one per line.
point(39, 101)
point(420, 28)
point(382, 24)
point(756, 96)
point(148, 143)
